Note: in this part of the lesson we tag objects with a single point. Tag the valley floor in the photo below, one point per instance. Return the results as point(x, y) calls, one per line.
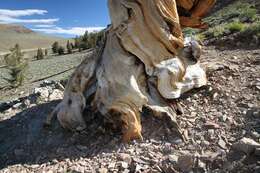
point(40, 69)
point(215, 118)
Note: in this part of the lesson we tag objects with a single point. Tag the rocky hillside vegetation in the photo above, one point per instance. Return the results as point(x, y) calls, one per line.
point(236, 23)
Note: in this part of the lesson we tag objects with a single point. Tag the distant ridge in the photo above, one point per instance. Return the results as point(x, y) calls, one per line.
point(14, 28)
point(10, 34)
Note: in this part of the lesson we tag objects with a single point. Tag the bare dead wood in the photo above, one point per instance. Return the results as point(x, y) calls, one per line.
point(143, 62)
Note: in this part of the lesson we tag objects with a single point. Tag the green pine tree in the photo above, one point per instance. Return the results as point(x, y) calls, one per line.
point(72, 45)
point(40, 54)
point(92, 40)
point(76, 42)
point(46, 52)
point(69, 47)
point(17, 66)
point(55, 47)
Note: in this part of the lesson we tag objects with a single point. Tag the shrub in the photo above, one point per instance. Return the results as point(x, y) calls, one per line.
point(235, 27)
point(253, 29)
point(243, 12)
point(55, 47)
point(190, 31)
point(247, 11)
point(61, 50)
point(256, 28)
point(39, 55)
point(200, 37)
point(17, 66)
point(216, 31)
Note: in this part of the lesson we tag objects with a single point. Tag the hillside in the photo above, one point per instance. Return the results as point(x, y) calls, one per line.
point(232, 23)
point(26, 38)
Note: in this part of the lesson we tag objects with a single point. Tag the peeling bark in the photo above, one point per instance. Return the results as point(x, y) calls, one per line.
point(143, 63)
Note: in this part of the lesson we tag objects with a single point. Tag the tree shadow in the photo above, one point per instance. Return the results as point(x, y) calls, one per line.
point(25, 140)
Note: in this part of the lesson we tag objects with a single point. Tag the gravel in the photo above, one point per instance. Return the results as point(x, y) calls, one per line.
point(218, 120)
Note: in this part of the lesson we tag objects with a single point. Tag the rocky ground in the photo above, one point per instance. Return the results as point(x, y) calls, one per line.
point(221, 122)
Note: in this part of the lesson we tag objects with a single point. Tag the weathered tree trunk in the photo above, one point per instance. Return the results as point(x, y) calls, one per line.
point(142, 63)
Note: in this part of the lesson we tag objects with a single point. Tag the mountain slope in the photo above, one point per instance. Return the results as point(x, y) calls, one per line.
point(232, 23)
point(26, 38)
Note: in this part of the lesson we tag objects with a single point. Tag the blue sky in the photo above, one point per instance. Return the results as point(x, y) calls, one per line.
point(58, 17)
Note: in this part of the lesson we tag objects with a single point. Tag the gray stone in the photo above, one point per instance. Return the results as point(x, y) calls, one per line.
point(56, 95)
point(43, 92)
point(102, 170)
point(125, 157)
point(222, 143)
point(123, 165)
point(186, 162)
point(223, 118)
point(173, 158)
point(59, 86)
point(246, 145)
point(255, 135)
point(126, 171)
point(111, 165)
point(17, 106)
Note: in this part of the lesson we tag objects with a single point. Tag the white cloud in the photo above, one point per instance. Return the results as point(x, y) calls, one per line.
point(69, 31)
point(44, 26)
point(4, 19)
point(19, 13)
point(12, 16)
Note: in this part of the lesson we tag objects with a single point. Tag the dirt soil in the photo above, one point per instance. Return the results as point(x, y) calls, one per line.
point(215, 117)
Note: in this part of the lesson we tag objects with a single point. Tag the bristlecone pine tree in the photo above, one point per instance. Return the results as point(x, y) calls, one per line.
point(55, 47)
point(17, 66)
point(69, 47)
point(143, 64)
point(40, 54)
point(76, 42)
point(46, 52)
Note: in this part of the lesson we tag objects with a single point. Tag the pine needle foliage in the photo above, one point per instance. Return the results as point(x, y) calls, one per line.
point(17, 67)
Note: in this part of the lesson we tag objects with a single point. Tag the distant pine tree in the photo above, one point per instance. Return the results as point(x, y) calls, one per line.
point(46, 52)
point(92, 40)
point(55, 47)
point(100, 38)
point(84, 41)
point(40, 54)
point(17, 66)
point(72, 45)
point(85, 37)
point(76, 42)
point(69, 48)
